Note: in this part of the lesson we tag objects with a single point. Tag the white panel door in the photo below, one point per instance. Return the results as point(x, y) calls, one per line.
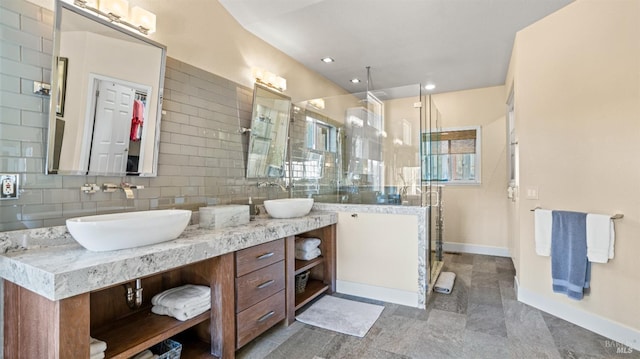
point(112, 126)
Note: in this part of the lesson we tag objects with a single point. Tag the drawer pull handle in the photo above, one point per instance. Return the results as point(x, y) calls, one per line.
point(354, 215)
point(266, 255)
point(266, 284)
point(266, 316)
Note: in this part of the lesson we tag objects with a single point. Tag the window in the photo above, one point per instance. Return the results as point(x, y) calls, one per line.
point(452, 155)
point(320, 136)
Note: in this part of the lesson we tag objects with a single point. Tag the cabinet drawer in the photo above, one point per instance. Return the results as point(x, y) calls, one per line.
point(258, 285)
point(260, 317)
point(260, 256)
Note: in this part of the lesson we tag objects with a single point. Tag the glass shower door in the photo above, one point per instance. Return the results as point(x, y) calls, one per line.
point(432, 178)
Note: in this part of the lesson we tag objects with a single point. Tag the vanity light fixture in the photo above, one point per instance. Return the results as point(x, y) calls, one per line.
point(327, 60)
point(269, 79)
point(429, 87)
point(317, 103)
point(144, 19)
point(117, 11)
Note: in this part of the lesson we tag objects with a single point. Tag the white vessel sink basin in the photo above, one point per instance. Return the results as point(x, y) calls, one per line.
point(109, 232)
point(288, 207)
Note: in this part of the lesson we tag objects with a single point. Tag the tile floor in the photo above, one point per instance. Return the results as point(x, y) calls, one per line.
point(481, 318)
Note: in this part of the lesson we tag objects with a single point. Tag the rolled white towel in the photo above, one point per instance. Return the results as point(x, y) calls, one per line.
point(97, 356)
point(445, 282)
point(181, 314)
point(307, 244)
point(96, 346)
point(183, 296)
point(147, 354)
point(308, 255)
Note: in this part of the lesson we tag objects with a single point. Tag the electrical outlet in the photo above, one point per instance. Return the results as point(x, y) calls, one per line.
point(9, 184)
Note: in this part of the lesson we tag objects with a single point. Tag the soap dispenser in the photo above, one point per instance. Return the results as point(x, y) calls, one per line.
point(252, 210)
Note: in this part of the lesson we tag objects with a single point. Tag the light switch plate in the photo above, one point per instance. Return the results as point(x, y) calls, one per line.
point(9, 184)
point(531, 192)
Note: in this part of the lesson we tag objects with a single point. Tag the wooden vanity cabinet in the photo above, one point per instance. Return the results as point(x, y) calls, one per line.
point(322, 278)
point(265, 282)
point(252, 290)
point(36, 327)
point(260, 289)
point(128, 332)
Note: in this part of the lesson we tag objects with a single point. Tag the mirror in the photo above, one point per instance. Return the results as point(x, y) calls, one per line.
point(269, 131)
point(106, 98)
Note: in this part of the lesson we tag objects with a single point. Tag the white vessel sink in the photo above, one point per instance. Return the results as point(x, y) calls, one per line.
point(288, 207)
point(109, 232)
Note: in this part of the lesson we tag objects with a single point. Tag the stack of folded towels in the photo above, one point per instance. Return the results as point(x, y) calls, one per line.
point(96, 348)
point(182, 303)
point(147, 354)
point(307, 248)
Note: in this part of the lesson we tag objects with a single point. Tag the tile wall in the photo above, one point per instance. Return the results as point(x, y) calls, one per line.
point(202, 154)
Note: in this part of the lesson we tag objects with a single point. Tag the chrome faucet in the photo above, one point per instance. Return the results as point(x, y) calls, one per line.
point(126, 187)
point(272, 184)
point(128, 192)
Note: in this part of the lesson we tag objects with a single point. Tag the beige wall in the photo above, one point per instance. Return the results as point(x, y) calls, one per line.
point(202, 33)
point(577, 96)
point(476, 214)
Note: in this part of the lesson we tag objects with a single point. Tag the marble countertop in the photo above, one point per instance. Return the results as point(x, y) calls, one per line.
point(370, 208)
point(62, 271)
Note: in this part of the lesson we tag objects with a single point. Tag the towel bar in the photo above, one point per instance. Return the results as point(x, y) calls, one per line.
point(615, 216)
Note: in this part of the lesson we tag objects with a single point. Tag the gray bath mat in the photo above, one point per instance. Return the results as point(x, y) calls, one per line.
point(341, 315)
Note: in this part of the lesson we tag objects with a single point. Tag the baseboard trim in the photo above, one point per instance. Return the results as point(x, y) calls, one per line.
point(378, 293)
point(597, 324)
point(475, 249)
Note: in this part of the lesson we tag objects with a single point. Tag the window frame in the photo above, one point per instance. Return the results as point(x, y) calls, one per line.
point(478, 156)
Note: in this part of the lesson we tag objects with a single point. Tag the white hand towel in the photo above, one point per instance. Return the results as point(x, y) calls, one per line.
point(97, 356)
point(307, 244)
point(147, 354)
point(445, 282)
point(96, 346)
point(181, 314)
point(600, 238)
point(308, 255)
point(183, 296)
point(542, 231)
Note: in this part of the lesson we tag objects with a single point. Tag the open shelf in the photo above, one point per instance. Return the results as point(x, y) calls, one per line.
point(302, 265)
point(131, 335)
point(314, 288)
point(193, 348)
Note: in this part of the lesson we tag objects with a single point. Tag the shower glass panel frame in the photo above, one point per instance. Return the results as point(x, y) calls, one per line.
point(378, 157)
point(432, 189)
point(373, 157)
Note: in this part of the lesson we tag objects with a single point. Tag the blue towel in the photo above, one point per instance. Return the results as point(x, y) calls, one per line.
point(570, 268)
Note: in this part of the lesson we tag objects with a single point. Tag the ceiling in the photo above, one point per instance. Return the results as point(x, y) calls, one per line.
point(454, 44)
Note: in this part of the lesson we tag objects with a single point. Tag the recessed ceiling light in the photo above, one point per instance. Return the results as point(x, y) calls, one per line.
point(429, 87)
point(327, 59)
point(355, 81)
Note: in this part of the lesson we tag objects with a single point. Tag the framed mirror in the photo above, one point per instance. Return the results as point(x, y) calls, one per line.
point(106, 98)
point(269, 132)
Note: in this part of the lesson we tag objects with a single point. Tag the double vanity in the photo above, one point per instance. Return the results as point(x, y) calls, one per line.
point(58, 294)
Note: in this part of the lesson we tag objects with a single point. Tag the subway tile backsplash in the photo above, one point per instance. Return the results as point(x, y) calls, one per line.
point(202, 154)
